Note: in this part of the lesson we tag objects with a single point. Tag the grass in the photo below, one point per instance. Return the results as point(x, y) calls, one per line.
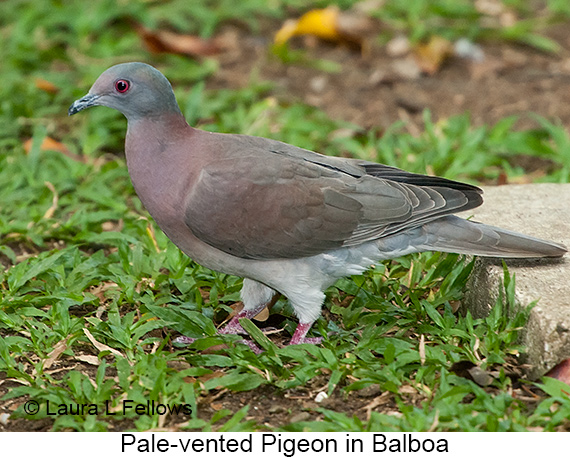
point(92, 291)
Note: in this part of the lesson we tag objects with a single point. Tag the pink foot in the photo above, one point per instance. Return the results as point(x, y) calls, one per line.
point(313, 340)
point(187, 341)
point(233, 327)
point(254, 347)
point(184, 340)
point(300, 332)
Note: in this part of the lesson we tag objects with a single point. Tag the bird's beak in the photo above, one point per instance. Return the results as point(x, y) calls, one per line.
point(83, 103)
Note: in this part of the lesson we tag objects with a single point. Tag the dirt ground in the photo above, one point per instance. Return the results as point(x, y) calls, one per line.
point(376, 89)
point(372, 91)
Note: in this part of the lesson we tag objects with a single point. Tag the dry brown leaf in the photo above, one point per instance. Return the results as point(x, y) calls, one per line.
point(57, 350)
point(164, 41)
point(55, 198)
point(178, 365)
point(236, 308)
point(263, 315)
point(378, 401)
point(100, 289)
point(435, 422)
point(430, 56)
point(46, 86)
point(90, 359)
point(102, 347)
point(49, 144)
point(216, 406)
point(212, 375)
point(407, 389)
point(561, 371)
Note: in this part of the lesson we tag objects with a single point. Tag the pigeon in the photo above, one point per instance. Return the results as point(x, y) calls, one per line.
point(286, 219)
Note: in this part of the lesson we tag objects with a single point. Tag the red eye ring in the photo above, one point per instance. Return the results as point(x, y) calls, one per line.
point(122, 85)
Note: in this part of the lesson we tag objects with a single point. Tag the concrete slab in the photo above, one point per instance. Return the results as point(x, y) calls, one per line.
point(543, 211)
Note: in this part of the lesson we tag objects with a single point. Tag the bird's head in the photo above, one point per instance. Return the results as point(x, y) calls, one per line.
point(135, 89)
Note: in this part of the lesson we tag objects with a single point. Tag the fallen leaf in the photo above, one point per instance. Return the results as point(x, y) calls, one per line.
point(100, 292)
point(90, 359)
point(435, 422)
point(431, 55)
point(263, 315)
point(407, 389)
point(212, 375)
point(102, 347)
point(46, 86)
point(49, 144)
point(328, 24)
point(164, 41)
point(378, 401)
point(321, 23)
point(55, 198)
point(561, 371)
point(57, 350)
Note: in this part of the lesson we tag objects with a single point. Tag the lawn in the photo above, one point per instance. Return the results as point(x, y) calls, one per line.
point(92, 293)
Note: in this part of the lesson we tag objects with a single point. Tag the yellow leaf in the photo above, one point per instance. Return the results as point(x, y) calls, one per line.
point(321, 23)
point(431, 55)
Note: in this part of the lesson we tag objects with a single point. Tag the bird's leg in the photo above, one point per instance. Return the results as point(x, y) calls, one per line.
point(307, 304)
point(255, 297)
point(300, 332)
point(233, 327)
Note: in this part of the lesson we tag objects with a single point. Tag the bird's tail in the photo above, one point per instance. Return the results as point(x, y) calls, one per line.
point(457, 235)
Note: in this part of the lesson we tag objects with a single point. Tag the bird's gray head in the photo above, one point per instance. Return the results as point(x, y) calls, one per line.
point(135, 89)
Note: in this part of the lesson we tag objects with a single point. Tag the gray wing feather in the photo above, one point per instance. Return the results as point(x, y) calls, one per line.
point(265, 199)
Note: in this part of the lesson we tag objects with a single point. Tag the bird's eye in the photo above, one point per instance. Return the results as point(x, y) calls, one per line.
point(122, 86)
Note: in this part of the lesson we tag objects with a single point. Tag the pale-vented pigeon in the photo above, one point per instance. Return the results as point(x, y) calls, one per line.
point(284, 218)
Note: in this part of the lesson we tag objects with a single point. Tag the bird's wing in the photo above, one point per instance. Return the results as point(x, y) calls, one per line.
point(270, 200)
